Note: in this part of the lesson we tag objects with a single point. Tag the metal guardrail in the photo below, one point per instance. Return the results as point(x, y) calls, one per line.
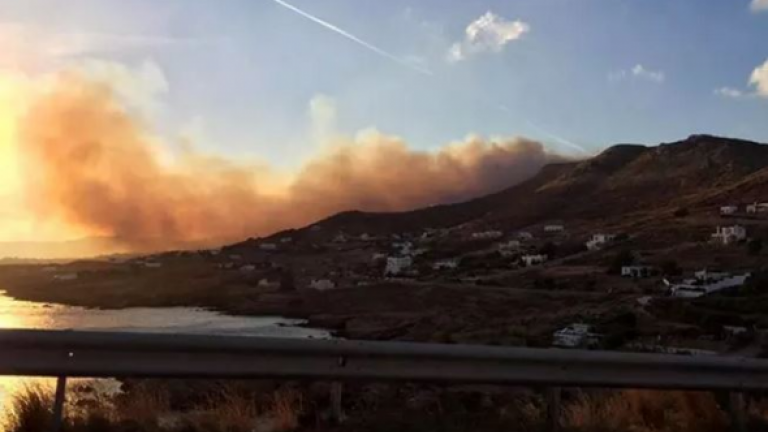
point(96, 354)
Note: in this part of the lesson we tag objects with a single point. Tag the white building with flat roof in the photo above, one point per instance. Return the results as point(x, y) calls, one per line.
point(705, 282)
point(533, 260)
point(730, 234)
point(397, 265)
point(576, 335)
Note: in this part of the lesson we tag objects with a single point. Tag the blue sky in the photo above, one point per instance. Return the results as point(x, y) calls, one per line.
point(239, 76)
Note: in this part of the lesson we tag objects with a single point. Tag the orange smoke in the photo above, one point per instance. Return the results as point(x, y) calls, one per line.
point(89, 164)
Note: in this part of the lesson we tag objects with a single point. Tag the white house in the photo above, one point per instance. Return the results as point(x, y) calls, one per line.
point(757, 208)
point(576, 336)
point(396, 265)
point(532, 260)
point(153, 265)
point(509, 248)
point(445, 264)
point(406, 247)
point(235, 257)
point(266, 283)
point(268, 246)
point(65, 277)
point(248, 268)
point(705, 282)
point(729, 210)
point(730, 234)
point(378, 256)
point(636, 272)
point(599, 240)
point(322, 284)
point(286, 240)
point(554, 228)
point(525, 235)
point(487, 235)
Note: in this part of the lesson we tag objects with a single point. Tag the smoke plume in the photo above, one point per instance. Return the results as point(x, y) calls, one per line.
point(91, 165)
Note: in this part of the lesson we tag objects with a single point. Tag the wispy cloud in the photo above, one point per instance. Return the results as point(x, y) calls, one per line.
point(759, 5)
point(489, 33)
point(399, 60)
point(729, 92)
point(638, 72)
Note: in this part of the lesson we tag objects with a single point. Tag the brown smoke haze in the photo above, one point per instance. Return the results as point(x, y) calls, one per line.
point(88, 163)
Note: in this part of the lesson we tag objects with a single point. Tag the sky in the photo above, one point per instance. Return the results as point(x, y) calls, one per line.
point(268, 79)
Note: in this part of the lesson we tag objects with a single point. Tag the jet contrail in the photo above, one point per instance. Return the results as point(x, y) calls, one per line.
point(353, 38)
point(548, 134)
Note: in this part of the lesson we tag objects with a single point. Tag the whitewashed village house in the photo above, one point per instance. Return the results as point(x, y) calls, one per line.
point(268, 246)
point(322, 284)
point(445, 264)
point(730, 234)
point(487, 235)
point(554, 228)
point(248, 268)
point(397, 265)
point(509, 248)
point(636, 271)
point(267, 283)
point(533, 260)
point(524, 235)
point(598, 241)
point(706, 282)
point(153, 264)
point(757, 207)
point(576, 336)
point(729, 210)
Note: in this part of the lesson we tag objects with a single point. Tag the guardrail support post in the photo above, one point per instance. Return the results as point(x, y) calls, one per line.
point(336, 410)
point(553, 408)
point(58, 404)
point(737, 411)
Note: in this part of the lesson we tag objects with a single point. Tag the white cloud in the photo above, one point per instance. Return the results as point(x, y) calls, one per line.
point(140, 88)
point(729, 92)
point(759, 5)
point(638, 72)
point(489, 33)
point(759, 79)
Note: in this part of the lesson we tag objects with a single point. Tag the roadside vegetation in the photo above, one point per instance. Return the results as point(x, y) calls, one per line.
point(378, 408)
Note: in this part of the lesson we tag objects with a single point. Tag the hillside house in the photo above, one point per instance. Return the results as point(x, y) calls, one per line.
point(286, 240)
point(397, 265)
point(322, 284)
point(757, 207)
point(65, 277)
point(598, 241)
point(524, 236)
point(576, 336)
point(378, 257)
point(533, 260)
point(730, 234)
point(705, 282)
point(268, 246)
point(637, 271)
point(445, 264)
point(268, 283)
point(729, 210)
point(235, 257)
point(487, 235)
point(153, 264)
point(248, 268)
point(509, 248)
point(554, 228)
point(405, 248)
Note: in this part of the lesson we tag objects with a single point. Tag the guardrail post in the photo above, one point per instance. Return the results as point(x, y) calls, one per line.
point(58, 404)
point(553, 408)
point(336, 410)
point(737, 410)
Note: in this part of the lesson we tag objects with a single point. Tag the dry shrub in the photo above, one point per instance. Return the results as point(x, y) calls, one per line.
point(287, 408)
point(30, 410)
point(142, 406)
point(646, 411)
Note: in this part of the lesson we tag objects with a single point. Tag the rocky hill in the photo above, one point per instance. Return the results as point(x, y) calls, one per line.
point(624, 179)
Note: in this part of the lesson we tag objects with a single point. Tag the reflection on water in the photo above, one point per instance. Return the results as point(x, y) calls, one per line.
point(27, 315)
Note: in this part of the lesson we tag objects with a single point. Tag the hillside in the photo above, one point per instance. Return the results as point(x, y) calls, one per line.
point(622, 180)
